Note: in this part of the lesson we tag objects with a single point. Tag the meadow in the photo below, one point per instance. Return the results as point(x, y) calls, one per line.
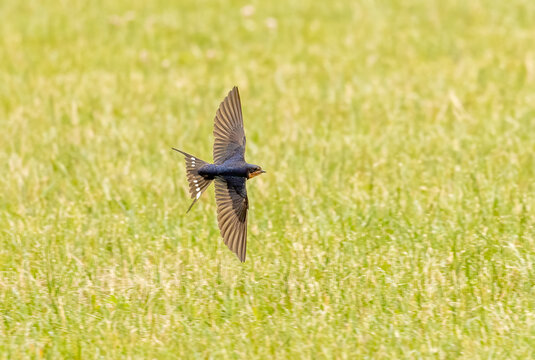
point(396, 218)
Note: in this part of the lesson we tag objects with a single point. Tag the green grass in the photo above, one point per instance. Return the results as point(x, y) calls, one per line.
point(396, 220)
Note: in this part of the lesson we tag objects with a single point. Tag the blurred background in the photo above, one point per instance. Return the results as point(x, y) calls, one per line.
point(395, 219)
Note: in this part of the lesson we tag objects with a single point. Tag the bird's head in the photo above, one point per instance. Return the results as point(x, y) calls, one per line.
point(254, 170)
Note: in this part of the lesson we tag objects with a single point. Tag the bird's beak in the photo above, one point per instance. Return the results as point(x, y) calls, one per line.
point(256, 173)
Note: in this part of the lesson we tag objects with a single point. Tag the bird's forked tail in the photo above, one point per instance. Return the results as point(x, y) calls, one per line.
point(197, 184)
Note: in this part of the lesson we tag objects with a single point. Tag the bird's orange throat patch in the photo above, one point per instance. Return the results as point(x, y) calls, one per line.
point(255, 173)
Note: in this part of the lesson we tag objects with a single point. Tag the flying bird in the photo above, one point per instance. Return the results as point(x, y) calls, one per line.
point(230, 171)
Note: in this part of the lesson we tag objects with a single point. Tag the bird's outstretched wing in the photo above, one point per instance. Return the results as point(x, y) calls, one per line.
point(232, 206)
point(229, 136)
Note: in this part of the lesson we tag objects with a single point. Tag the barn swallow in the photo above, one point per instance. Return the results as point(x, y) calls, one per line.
point(230, 171)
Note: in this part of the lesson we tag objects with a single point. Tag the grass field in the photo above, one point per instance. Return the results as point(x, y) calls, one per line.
point(396, 220)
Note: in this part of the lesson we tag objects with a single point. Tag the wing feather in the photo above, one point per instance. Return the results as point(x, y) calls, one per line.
point(229, 136)
point(232, 206)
